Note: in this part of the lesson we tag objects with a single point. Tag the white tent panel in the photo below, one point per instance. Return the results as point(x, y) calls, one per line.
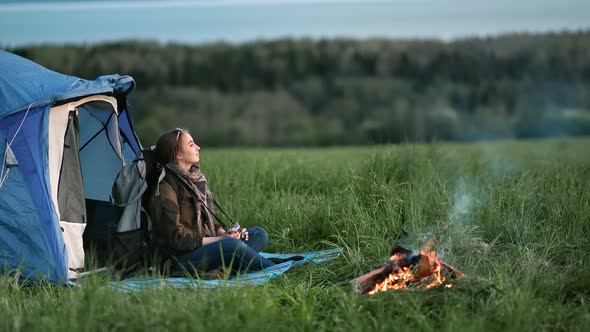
point(58, 122)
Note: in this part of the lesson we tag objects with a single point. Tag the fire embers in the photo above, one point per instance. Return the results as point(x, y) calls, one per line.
point(407, 270)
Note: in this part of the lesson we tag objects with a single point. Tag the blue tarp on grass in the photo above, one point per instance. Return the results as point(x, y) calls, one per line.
point(141, 283)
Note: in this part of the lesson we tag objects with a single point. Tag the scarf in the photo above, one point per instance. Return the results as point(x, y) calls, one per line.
point(198, 184)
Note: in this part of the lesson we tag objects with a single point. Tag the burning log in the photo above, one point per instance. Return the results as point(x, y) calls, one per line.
point(404, 269)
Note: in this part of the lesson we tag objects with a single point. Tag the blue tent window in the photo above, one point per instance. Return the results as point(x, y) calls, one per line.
point(98, 110)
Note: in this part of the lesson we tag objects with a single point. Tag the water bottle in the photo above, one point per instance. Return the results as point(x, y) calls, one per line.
point(236, 228)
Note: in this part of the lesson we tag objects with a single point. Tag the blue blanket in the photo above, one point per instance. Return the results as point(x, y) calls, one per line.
point(139, 283)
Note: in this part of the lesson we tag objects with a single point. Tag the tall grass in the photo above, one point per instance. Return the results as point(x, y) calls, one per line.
point(513, 216)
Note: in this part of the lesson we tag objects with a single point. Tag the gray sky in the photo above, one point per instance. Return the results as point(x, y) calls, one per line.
point(190, 21)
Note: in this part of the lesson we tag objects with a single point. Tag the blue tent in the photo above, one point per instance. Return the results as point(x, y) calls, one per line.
point(63, 139)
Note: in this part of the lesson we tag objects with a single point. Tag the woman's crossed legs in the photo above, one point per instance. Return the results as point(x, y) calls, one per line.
point(240, 256)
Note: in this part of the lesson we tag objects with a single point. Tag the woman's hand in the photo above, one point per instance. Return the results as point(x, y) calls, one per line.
point(242, 234)
point(245, 235)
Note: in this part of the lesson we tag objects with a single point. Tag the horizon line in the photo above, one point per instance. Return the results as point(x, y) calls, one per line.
point(567, 31)
point(95, 4)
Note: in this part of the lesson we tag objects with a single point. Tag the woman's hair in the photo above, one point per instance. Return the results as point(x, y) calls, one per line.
point(168, 145)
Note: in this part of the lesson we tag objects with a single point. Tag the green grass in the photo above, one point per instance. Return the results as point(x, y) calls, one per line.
point(513, 216)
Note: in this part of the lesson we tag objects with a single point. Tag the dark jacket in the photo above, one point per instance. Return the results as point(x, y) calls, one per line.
point(174, 218)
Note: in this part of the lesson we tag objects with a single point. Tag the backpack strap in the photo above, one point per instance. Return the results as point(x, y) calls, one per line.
point(160, 178)
point(222, 211)
point(173, 180)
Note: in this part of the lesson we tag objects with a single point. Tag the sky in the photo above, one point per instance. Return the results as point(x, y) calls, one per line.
point(28, 22)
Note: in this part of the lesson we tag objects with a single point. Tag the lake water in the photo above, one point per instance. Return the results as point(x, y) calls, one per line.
point(239, 21)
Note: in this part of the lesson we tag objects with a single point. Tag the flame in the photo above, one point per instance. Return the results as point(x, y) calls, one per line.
point(429, 272)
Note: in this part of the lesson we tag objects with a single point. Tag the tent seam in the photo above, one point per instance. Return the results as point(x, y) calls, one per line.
point(3, 176)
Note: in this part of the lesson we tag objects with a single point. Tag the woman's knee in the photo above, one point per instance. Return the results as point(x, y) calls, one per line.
point(258, 232)
point(258, 238)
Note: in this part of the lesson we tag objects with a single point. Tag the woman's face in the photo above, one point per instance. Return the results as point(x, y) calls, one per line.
point(188, 152)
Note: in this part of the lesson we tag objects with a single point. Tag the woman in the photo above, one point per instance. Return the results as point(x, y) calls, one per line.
point(184, 226)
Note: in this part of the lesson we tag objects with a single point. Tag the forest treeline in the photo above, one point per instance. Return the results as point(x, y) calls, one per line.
point(301, 92)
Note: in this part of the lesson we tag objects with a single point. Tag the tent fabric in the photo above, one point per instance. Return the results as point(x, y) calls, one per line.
point(72, 233)
point(70, 194)
point(128, 133)
point(31, 218)
point(25, 84)
point(101, 108)
point(58, 124)
point(100, 150)
point(32, 156)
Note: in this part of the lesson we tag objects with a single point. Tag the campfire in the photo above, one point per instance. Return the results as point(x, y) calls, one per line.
point(407, 270)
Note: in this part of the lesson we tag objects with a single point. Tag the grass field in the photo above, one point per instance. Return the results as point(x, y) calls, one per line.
point(513, 216)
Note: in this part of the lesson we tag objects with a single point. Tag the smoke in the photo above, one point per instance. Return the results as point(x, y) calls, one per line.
point(473, 192)
point(462, 203)
point(459, 231)
point(458, 222)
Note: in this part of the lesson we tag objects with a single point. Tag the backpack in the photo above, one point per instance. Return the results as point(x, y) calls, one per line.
point(131, 241)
